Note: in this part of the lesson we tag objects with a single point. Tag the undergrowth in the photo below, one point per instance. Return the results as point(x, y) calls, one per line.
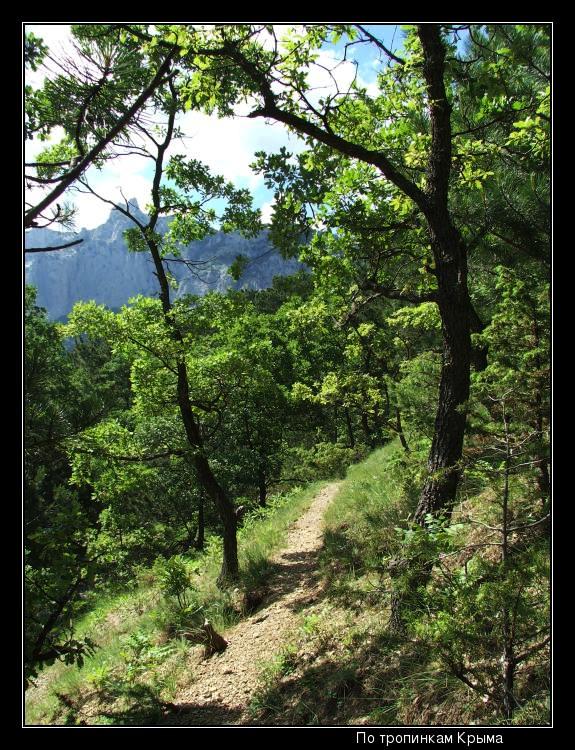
point(346, 666)
point(343, 666)
point(144, 635)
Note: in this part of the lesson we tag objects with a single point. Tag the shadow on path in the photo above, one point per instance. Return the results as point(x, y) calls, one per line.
point(201, 715)
point(229, 686)
point(295, 570)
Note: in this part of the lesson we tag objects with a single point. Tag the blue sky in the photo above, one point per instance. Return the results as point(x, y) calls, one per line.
point(226, 145)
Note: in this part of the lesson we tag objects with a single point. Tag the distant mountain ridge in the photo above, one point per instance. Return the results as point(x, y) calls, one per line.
point(102, 269)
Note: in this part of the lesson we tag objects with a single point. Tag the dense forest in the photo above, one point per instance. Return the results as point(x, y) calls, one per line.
point(402, 377)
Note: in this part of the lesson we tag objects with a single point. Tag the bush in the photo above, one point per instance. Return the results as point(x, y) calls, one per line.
point(322, 461)
point(173, 576)
point(180, 611)
point(478, 616)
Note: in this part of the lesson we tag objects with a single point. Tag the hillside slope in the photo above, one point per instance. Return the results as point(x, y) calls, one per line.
point(312, 648)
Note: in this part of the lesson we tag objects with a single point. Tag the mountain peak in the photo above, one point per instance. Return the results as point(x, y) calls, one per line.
point(102, 269)
point(133, 207)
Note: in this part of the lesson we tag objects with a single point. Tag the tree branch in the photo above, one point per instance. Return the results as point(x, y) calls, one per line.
point(383, 291)
point(130, 459)
point(74, 173)
point(53, 247)
point(380, 44)
point(300, 124)
point(533, 650)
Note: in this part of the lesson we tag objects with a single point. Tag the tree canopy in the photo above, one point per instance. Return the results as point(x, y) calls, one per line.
point(420, 206)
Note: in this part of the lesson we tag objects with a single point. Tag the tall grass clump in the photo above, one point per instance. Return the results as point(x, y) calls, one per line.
point(375, 498)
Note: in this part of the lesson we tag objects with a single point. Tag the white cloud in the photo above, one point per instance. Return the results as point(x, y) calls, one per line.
point(91, 212)
point(330, 74)
point(269, 41)
point(54, 35)
point(227, 145)
point(122, 179)
point(266, 211)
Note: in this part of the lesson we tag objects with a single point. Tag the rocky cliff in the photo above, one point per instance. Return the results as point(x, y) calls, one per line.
point(102, 269)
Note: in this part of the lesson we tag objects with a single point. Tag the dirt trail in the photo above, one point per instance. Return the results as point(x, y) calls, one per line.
point(225, 683)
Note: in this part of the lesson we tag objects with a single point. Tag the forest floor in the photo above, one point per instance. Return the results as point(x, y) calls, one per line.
point(224, 685)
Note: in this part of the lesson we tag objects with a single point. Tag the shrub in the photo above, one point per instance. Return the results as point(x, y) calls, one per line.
point(322, 461)
point(173, 575)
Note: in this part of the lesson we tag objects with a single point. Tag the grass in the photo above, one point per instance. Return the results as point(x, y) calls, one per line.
point(115, 680)
point(267, 696)
point(361, 522)
point(110, 623)
point(345, 666)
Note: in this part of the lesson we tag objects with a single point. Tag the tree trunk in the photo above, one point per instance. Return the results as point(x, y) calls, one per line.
point(443, 464)
point(450, 256)
point(450, 253)
point(349, 425)
point(262, 489)
point(399, 430)
point(204, 473)
point(229, 571)
point(200, 535)
point(59, 606)
point(226, 511)
point(478, 353)
point(206, 478)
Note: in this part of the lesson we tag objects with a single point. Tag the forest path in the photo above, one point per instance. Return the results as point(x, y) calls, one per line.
point(225, 683)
